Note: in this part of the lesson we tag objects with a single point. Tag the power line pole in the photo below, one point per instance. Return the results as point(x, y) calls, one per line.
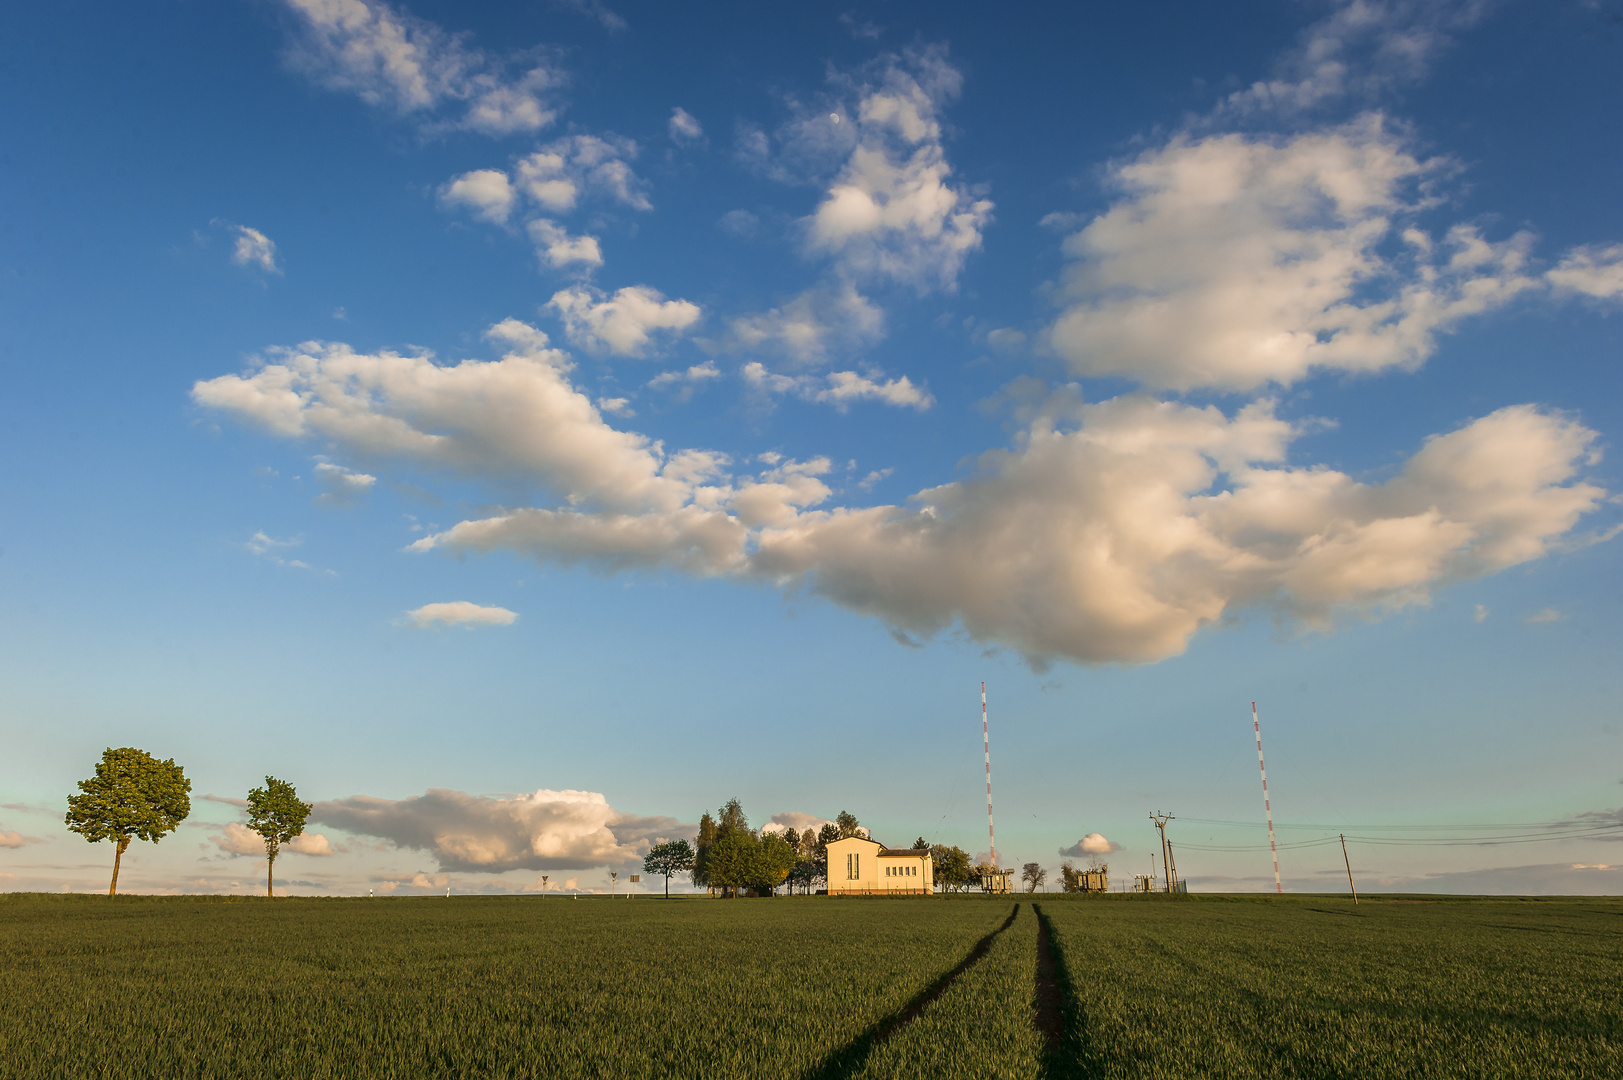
point(1266, 807)
point(1161, 820)
point(1349, 869)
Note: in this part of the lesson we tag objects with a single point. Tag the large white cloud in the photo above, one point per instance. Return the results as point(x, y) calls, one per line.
point(1236, 261)
point(1590, 271)
point(389, 58)
point(1091, 844)
point(546, 830)
point(519, 417)
point(622, 324)
point(1110, 532)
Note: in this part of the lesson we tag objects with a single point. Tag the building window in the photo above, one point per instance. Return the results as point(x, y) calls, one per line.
point(853, 866)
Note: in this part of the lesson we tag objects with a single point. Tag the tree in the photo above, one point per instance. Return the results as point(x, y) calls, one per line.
point(671, 857)
point(1033, 875)
point(133, 794)
point(921, 844)
point(774, 858)
point(1070, 880)
point(277, 815)
point(849, 826)
point(731, 862)
point(701, 855)
point(951, 866)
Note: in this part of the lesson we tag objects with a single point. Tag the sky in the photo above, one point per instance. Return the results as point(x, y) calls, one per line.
point(525, 427)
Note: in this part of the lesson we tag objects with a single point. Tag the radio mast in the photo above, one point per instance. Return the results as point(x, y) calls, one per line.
point(1267, 809)
point(986, 736)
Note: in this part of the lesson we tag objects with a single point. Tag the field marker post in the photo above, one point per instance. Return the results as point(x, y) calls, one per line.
point(1349, 868)
point(1267, 808)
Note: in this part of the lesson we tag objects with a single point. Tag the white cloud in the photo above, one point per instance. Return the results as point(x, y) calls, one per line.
point(486, 193)
point(559, 250)
point(840, 388)
point(1091, 844)
point(461, 613)
point(392, 59)
point(1548, 615)
point(254, 248)
point(617, 406)
point(238, 839)
point(683, 127)
point(547, 830)
point(1590, 271)
point(269, 548)
point(892, 212)
point(872, 480)
point(696, 373)
point(17, 840)
point(343, 486)
point(1235, 261)
point(1005, 339)
point(518, 418)
point(624, 323)
point(1114, 539)
point(1362, 48)
point(310, 844)
point(1480, 614)
point(809, 328)
point(561, 172)
point(596, 11)
point(796, 820)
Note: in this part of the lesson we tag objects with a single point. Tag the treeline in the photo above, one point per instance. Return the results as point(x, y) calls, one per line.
point(731, 859)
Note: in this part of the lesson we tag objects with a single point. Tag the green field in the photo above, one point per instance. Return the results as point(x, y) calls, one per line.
point(809, 987)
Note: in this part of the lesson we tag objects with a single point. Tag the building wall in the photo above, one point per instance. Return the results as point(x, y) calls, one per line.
point(871, 876)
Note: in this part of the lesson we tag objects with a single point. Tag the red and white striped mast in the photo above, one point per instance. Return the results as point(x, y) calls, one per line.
point(1266, 808)
point(986, 736)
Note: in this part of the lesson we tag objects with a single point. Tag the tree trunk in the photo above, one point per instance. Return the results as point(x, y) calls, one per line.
point(118, 856)
point(270, 865)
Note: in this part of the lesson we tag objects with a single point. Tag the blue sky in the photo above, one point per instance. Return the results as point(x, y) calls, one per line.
point(525, 429)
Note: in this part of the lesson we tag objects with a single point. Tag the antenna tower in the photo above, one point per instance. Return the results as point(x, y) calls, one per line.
point(1266, 808)
point(986, 737)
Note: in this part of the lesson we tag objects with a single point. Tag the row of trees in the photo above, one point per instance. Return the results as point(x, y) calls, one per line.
point(135, 796)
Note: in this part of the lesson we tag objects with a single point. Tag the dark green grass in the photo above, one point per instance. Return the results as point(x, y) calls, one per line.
point(1315, 987)
point(476, 987)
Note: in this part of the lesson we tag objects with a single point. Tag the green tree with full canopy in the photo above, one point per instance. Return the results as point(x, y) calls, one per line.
point(671, 857)
point(951, 869)
point(133, 794)
point(277, 815)
point(849, 826)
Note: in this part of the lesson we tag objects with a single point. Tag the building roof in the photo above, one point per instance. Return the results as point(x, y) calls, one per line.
point(898, 852)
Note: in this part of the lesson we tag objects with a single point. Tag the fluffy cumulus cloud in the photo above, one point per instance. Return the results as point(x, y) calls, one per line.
point(461, 613)
point(391, 59)
point(1236, 261)
point(796, 820)
point(546, 830)
point(254, 248)
point(1590, 271)
point(238, 839)
point(892, 211)
point(559, 250)
point(485, 193)
point(16, 839)
point(1109, 532)
point(622, 324)
point(1091, 844)
point(557, 176)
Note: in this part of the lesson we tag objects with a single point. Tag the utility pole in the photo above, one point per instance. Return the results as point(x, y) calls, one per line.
point(1161, 820)
point(1267, 808)
point(1349, 869)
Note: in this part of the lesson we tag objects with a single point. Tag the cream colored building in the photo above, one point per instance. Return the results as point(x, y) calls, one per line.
point(858, 866)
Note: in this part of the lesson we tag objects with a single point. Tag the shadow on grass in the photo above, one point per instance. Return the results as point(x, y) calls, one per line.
point(851, 1057)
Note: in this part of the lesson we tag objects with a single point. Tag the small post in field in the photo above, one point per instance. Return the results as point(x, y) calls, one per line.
point(1349, 868)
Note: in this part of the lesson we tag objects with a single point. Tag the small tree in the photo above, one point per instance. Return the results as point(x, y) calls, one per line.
point(921, 844)
point(671, 857)
point(849, 826)
point(1070, 880)
point(774, 859)
point(1033, 875)
point(133, 794)
point(951, 869)
point(277, 815)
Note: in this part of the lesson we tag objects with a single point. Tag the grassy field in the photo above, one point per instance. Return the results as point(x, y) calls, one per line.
point(809, 987)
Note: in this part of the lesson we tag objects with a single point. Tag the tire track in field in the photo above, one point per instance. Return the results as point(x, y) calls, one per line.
point(1056, 1000)
point(851, 1057)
